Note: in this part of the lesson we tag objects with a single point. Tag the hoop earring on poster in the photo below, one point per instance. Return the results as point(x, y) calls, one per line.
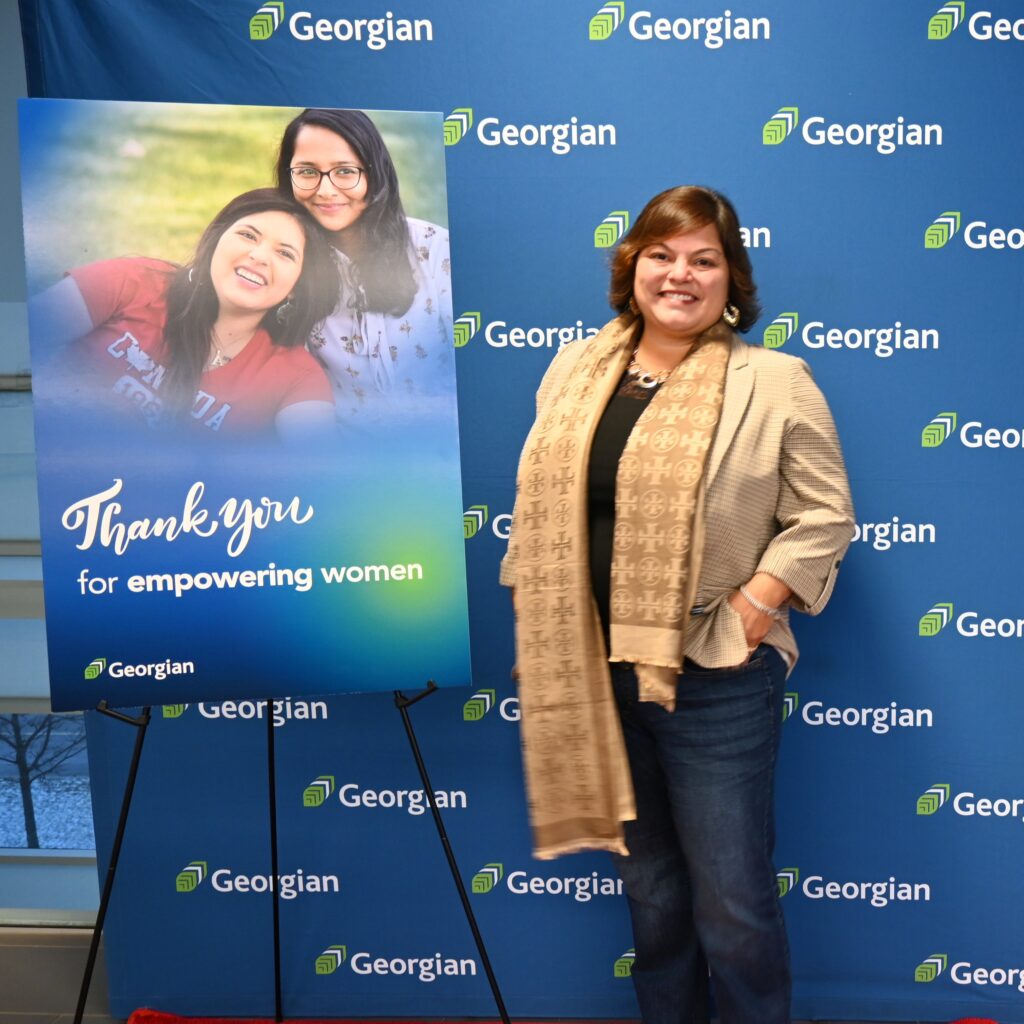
point(284, 311)
point(731, 314)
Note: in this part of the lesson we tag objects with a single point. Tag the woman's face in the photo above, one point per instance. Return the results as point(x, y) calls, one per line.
point(682, 283)
point(257, 262)
point(335, 208)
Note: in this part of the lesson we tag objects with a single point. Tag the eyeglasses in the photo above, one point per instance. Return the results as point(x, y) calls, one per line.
point(309, 178)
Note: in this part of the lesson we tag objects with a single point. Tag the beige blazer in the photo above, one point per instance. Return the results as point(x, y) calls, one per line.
point(775, 499)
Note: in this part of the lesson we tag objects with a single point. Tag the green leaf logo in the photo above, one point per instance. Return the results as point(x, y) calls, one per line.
point(331, 959)
point(607, 20)
point(946, 20)
point(611, 229)
point(942, 229)
point(935, 619)
point(938, 430)
point(787, 879)
point(931, 968)
point(95, 668)
point(777, 129)
point(781, 329)
point(624, 965)
point(472, 519)
point(465, 327)
point(932, 799)
point(318, 791)
point(487, 877)
point(191, 876)
point(457, 124)
point(789, 704)
point(478, 705)
point(174, 710)
point(267, 20)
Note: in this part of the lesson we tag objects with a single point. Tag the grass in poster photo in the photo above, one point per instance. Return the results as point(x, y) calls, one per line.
point(148, 178)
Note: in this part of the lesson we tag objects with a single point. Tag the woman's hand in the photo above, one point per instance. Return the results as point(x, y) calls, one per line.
point(770, 592)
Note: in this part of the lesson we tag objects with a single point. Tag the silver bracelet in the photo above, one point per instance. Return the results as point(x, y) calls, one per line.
point(773, 613)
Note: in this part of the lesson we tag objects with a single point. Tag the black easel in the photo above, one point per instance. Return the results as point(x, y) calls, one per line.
point(274, 874)
point(403, 704)
point(140, 723)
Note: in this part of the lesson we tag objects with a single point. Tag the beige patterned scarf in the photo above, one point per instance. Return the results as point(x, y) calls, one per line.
point(577, 774)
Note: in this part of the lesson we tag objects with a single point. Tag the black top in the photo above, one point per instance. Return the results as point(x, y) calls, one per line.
point(613, 430)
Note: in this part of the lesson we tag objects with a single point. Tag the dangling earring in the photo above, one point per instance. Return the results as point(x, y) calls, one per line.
point(731, 315)
point(284, 311)
point(633, 307)
point(191, 273)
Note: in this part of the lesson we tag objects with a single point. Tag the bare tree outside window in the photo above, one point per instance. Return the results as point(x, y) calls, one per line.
point(42, 765)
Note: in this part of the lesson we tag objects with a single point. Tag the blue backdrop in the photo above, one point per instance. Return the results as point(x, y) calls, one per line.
point(872, 152)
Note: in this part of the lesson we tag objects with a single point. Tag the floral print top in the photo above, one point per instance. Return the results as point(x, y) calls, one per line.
point(383, 366)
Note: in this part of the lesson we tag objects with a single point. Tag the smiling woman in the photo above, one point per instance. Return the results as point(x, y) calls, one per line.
point(216, 344)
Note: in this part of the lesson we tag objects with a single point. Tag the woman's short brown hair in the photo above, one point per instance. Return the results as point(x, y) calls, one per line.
point(674, 212)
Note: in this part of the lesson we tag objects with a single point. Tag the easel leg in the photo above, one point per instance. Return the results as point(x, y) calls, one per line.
point(274, 873)
point(403, 704)
point(108, 885)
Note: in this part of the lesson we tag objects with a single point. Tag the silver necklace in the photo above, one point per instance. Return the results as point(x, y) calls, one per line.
point(646, 378)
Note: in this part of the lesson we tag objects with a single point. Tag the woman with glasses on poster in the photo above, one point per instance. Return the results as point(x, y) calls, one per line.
point(389, 340)
point(680, 492)
point(216, 345)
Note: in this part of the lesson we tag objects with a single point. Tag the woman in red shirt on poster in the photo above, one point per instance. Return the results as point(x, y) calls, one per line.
point(216, 345)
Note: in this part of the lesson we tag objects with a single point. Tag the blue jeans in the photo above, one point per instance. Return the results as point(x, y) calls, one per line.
point(700, 880)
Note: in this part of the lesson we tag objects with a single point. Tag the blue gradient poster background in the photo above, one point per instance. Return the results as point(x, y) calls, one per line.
point(181, 567)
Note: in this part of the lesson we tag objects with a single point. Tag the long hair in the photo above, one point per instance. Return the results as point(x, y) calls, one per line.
point(382, 258)
point(673, 212)
point(192, 303)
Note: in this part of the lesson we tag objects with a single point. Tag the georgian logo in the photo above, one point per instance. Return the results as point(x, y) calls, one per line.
point(282, 711)
point(95, 668)
point(781, 329)
point(884, 137)
point(936, 619)
point(970, 624)
point(712, 32)
point(877, 893)
point(191, 876)
point(977, 234)
point(938, 430)
point(972, 433)
point(375, 33)
point(983, 25)
point(929, 969)
point(318, 791)
point(611, 229)
point(780, 126)
point(607, 20)
point(487, 877)
point(267, 20)
point(558, 137)
point(330, 959)
point(226, 880)
point(465, 327)
point(787, 879)
point(472, 519)
point(946, 20)
point(623, 967)
point(942, 229)
point(478, 705)
point(457, 124)
point(932, 799)
point(879, 341)
point(790, 702)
